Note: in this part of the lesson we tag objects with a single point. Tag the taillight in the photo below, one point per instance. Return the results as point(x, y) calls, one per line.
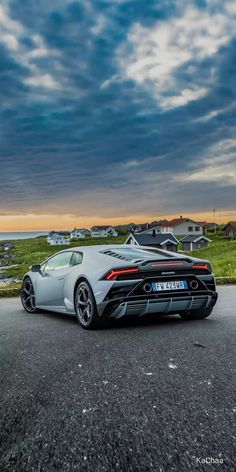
point(114, 273)
point(202, 266)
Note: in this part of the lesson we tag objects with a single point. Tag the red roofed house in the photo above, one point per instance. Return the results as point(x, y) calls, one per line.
point(186, 226)
point(179, 227)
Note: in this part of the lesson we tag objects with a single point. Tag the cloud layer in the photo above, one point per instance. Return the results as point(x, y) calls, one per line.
point(115, 108)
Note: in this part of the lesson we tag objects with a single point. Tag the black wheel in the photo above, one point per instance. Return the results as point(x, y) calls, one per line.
point(85, 307)
point(197, 314)
point(28, 296)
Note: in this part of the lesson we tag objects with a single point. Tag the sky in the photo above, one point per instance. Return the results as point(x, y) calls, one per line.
point(116, 111)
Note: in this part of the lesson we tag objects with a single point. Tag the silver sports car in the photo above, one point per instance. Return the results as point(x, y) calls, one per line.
point(99, 282)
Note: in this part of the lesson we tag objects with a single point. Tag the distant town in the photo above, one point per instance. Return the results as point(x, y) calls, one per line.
point(165, 234)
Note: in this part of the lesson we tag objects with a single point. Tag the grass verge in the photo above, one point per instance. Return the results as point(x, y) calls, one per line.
point(221, 253)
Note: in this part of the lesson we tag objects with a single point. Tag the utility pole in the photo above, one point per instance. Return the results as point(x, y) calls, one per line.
point(214, 213)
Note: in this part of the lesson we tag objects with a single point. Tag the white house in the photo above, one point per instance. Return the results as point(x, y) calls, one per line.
point(77, 233)
point(159, 229)
point(186, 227)
point(58, 238)
point(103, 232)
point(160, 226)
point(80, 233)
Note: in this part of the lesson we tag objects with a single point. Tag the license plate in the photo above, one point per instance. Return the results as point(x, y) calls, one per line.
point(173, 285)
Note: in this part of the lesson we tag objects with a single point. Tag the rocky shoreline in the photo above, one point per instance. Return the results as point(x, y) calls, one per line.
point(6, 281)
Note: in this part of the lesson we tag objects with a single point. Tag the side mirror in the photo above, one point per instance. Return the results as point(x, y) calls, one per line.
point(35, 268)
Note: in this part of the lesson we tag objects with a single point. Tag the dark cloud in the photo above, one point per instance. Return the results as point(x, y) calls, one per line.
point(77, 134)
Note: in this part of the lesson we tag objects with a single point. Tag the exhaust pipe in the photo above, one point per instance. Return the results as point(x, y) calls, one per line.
point(194, 284)
point(147, 288)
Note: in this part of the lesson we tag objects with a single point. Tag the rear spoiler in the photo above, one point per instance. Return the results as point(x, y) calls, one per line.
point(166, 262)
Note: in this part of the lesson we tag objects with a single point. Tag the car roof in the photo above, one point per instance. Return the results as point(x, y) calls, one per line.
point(99, 248)
point(102, 247)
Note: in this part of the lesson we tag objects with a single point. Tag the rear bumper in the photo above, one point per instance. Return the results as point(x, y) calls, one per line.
point(162, 305)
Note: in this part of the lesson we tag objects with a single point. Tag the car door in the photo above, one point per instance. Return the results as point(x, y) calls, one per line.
point(50, 283)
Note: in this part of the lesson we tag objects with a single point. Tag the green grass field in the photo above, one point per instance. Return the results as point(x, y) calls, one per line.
point(221, 253)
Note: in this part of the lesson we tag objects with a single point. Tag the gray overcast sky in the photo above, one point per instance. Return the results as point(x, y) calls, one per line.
point(117, 108)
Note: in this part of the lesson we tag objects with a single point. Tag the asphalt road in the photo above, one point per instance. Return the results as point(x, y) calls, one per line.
point(143, 395)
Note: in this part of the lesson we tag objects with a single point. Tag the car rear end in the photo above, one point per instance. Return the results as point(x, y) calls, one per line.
point(163, 285)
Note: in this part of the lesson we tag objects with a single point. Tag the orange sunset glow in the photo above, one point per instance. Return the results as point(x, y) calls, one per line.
point(31, 222)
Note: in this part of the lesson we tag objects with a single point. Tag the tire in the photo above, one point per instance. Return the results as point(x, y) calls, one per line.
point(28, 296)
point(86, 307)
point(196, 314)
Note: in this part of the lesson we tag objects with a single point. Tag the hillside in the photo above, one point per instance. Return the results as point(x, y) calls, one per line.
point(222, 255)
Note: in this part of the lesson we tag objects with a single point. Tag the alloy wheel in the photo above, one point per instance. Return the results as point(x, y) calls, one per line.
point(28, 296)
point(84, 304)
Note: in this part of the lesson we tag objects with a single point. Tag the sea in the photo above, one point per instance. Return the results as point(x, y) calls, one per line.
point(9, 236)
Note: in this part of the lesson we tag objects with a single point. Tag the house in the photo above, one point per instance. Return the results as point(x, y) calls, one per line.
point(165, 241)
point(140, 228)
point(204, 226)
point(86, 231)
point(178, 226)
point(7, 246)
point(149, 226)
point(159, 227)
point(103, 232)
point(80, 233)
point(58, 238)
point(77, 233)
point(191, 242)
point(229, 230)
point(185, 227)
point(155, 223)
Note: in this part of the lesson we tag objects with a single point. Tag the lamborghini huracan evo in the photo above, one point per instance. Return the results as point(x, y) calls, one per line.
point(99, 282)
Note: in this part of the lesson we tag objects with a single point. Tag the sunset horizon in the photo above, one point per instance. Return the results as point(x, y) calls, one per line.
point(31, 222)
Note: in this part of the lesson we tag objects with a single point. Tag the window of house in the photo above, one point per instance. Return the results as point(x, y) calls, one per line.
point(197, 228)
point(190, 228)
